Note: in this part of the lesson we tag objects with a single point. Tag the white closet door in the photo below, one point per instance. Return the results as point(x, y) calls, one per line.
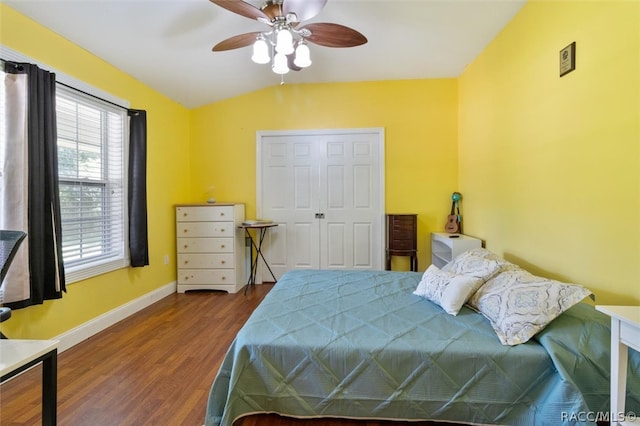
point(325, 190)
point(349, 182)
point(290, 197)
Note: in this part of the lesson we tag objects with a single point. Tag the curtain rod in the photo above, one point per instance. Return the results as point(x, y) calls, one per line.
point(20, 67)
point(14, 64)
point(93, 96)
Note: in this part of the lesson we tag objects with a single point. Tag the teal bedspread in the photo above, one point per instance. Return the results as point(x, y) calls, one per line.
point(358, 344)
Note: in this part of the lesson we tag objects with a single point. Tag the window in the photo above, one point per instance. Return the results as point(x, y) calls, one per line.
point(91, 167)
point(92, 148)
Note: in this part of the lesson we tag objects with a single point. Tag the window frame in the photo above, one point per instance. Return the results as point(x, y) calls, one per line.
point(98, 267)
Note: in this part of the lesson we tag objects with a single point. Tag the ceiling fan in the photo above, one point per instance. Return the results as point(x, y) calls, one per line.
point(285, 39)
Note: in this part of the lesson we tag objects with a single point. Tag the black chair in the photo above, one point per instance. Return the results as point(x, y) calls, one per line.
point(9, 244)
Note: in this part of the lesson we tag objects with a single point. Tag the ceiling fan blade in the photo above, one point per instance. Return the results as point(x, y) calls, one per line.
point(235, 42)
point(271, 9)
point(304, 9)
point(242, 8)
point(333, 35)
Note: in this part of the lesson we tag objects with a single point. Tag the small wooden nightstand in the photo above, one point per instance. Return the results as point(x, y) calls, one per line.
point(625, 333)
point(402, 238)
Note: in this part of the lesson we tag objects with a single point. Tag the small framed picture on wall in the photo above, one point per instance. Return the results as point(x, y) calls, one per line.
point(568, 59)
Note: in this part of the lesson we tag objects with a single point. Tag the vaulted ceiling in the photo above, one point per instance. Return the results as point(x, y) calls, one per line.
point(167, 43)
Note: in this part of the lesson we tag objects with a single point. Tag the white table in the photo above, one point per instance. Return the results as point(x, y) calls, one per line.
point(625, 333)
point(18, 355)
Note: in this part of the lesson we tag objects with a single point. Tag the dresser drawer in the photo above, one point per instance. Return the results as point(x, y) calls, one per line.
point(404, 234)
point(206, 261)
point(205, 229)
point(205, 245)
point(407, 222)
point(403, 244)
point(204, 213)
point(206, 276)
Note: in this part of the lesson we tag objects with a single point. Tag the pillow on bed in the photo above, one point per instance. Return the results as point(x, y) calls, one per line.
point(479, 262)
point(449, 291)
point(519, 304)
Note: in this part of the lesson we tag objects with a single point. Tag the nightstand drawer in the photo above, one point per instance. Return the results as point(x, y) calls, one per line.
point(630, 335)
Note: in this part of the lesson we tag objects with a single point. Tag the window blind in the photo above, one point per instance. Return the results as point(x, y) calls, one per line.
point(92, 179)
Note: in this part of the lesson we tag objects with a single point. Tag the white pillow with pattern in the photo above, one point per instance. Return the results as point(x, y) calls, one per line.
point(519, 304)
point(449, 291)
point(478, 262)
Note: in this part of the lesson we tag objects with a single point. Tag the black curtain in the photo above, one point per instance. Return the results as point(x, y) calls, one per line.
point(46, 268)
point(137, 194)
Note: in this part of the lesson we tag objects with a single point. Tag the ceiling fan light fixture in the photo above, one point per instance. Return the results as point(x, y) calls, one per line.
point(284, 41)
point(303, 55)
point(280, 65)
point(260, 51)
point(284, 45)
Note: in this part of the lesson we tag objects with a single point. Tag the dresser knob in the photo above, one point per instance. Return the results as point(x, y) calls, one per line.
point(223, 262)
point(224, 278)
point(222, 230)
point(186, 245)
point(221, 214)
point(185, 214)
point(186, 261)
point(185, 230)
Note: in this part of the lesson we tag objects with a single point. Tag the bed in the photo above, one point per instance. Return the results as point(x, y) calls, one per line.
point(361, 344)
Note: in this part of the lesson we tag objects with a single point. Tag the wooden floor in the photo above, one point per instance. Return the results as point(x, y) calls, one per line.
point(153, 368)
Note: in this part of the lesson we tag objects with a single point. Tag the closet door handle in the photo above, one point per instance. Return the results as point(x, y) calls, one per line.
point(319, 215)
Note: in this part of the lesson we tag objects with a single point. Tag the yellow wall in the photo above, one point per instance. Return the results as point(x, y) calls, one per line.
point(550, 166)
point(168, 182)
point(420, 122)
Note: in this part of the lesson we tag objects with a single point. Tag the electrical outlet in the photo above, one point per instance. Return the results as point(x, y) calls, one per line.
point(166, 259)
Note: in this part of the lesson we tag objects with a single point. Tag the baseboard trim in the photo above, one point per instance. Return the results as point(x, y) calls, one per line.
point(84, 331)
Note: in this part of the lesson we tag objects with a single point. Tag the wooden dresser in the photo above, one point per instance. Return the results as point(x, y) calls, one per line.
point(402, 238)
point(210, 247)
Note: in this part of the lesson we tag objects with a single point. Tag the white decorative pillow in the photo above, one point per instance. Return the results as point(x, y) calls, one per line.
point(449, 291)
point(519, 304)
point(479, 263)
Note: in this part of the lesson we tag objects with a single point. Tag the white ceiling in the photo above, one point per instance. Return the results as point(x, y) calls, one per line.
point(167, 43)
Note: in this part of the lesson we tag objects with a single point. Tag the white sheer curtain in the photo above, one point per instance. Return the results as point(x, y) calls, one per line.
point(14, 181)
